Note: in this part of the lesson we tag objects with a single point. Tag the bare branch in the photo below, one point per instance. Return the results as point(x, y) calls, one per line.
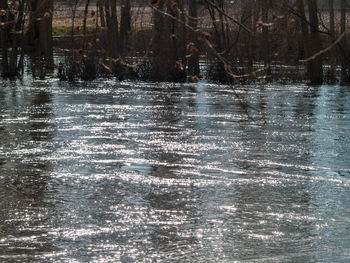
point(326, 49)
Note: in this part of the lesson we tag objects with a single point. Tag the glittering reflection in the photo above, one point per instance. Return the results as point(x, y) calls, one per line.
point(25, 138)
point(142, 172)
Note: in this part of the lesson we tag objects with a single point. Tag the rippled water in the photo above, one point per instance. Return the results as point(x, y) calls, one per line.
point(139, 172)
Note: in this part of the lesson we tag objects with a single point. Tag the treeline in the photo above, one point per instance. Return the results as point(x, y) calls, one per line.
point(180, 40)
point(26, 27)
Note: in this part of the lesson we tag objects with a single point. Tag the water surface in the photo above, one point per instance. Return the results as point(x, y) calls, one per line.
point(142, 172)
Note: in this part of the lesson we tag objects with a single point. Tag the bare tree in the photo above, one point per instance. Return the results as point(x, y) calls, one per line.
point(41, 28)
point(125, 24)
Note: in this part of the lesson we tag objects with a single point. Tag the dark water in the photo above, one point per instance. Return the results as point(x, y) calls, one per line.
point(105, 172)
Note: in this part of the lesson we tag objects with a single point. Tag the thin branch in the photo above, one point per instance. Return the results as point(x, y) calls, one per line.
point(226, 15)
point(292, 11)
point(326, 49)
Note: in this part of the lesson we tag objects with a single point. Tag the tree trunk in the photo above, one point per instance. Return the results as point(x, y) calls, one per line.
point(217, 25)
point(306, 36)
point(182, 33)
point(247, 20)
point(74, 11)
point(86, 9)
point(265, 33)
point(13, 69)
point(345, 78)
point(332, 55)
point(41, 24)
point(165, 58)
point(3, 6)
point(316, 74)
point(193, 61)
point(101, 13)
point(219, 39)
point(11, 31)
point(112, 27)
point(222, 25)
point(125, 25)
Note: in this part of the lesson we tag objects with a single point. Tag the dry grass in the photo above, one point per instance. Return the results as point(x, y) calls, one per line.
point(141, 16)
point(63, 14)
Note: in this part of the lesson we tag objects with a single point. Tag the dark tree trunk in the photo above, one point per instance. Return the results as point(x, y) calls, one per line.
point(345, 78)
point(193, 61)
point(217, 22)
point(40, 33)
point(182, 33)
point(11, 31)
point(332, 55)
point(165, 58)
point(5, 69)
point(74, 11)
point(306, 35)
point(247, 20)
point(112, 27)
point(13, 69)
point(125, 25)
point(101, 13)
point(265, 32)
point(84, 22)
point(316, 74)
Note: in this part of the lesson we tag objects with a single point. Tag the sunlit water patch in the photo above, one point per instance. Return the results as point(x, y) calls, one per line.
point(142, 172)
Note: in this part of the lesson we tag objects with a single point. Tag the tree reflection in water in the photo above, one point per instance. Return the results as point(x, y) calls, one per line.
point(164, 172)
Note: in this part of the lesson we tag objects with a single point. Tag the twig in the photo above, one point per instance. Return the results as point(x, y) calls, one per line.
point(226, 15)
point(326, 49)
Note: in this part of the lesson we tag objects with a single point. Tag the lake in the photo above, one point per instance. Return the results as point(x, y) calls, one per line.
point(110, 171)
